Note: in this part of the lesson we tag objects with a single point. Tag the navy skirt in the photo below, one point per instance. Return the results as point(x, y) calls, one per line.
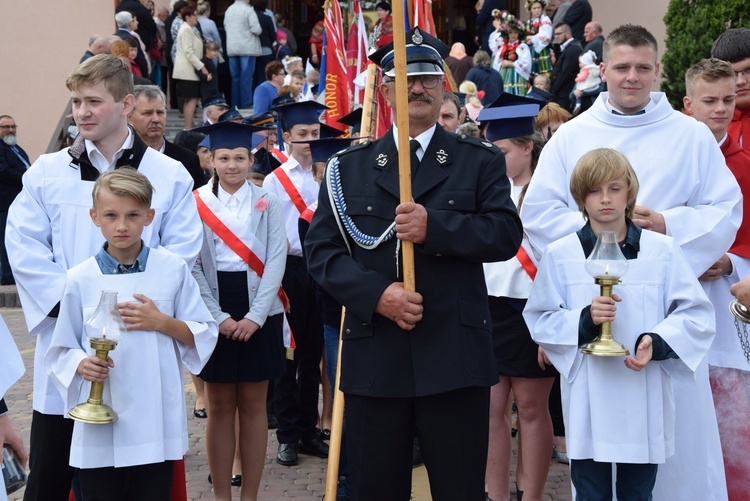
point(260, 358)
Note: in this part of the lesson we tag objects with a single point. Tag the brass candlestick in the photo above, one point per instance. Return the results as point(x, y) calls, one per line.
point(104, 329)
point(606, 264)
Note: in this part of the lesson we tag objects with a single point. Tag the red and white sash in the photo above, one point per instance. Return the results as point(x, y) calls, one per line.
point(308, 213)
point(290, 189)
point(240, 239)
point(526, 263)
point(279, 155)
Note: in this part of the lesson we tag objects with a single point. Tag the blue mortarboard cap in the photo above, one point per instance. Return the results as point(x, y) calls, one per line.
point(425, 55)
point(305, 112)
point(230, 114)
point(283, 99)
point(540, 94)
point(461, 97)
point(327, 131)
point(217, 100)
point(324, 148)
point(230, 135)
point(205, 143)
point(257, 139)
point(510, 116)
point(353, 119)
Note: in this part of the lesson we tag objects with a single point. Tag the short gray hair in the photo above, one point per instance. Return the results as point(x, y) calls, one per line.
point(150, 92)
point(123, 19)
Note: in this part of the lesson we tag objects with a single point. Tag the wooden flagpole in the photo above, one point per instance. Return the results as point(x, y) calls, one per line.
point(402, 122)
point(337, 423)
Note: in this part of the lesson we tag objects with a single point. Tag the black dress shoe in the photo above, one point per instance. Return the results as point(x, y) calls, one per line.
point(325, 434)
point(314, 447)
point(200, 413)
point(236, 481)
point(287, 455)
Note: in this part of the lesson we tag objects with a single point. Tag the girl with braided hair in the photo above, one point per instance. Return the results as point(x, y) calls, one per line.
point(239, 273)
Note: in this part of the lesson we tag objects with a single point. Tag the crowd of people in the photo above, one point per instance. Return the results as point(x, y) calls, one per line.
point(234, 247)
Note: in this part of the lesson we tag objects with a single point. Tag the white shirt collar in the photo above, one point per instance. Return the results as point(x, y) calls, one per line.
point(98, 159)
point(723, 140)
point(566, 43)
point(423, 138)
point(239, 195)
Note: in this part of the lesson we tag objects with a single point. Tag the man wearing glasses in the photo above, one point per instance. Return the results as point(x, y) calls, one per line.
point(415, 361)
point(563, 76)
point(733, 46)
point(13, 163)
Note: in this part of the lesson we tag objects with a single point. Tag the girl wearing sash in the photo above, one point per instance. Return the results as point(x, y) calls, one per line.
point(520, 363)
point(239, 271)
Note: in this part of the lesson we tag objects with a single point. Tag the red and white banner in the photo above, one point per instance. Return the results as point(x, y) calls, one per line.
point(356, 52)
point(336, 81)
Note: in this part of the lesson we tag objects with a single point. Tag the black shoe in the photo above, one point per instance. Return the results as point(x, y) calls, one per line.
point(236, 481)
point(209, 479)
point(200, 413)
point(287, 455)
point(273, 422)
point(314, 447)
point(325, 434)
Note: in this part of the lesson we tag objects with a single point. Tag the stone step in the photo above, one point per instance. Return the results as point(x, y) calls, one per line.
point(9, 297)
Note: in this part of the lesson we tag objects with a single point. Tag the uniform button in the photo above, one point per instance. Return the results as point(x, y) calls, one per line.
point(348, 331)
point(369, 208)
point(252, 288)
point(451, 202)
point(484, 322)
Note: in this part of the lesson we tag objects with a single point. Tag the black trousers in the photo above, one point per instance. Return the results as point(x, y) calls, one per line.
point(50, 475)
point(296, 392)
point(593, 480)
point(453, 430)
point(146, 482)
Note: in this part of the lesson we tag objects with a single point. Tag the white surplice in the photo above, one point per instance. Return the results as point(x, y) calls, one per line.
point(614, 414)
point(145, 387)
point(683, 175)
point(49, 231)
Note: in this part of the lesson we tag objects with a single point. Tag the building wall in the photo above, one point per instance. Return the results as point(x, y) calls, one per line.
point(42, 41)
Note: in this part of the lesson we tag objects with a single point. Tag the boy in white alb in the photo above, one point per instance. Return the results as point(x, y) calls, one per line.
point(168, 326)
point(618, 411)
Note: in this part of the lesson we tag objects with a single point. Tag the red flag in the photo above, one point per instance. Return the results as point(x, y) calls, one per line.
point(423, 16)
point(356, 53)
point(428, 17)
point(336, 82)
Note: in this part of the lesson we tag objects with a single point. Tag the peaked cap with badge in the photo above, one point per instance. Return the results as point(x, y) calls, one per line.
point(425, 55)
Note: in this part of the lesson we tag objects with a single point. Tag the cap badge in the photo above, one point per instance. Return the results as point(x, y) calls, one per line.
point(487, 144)
point(441, 156)
point(381, 160)
point(417, 37)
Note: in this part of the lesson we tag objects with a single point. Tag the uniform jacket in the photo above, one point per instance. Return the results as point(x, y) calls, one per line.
point(471, 219)
point(11, 171)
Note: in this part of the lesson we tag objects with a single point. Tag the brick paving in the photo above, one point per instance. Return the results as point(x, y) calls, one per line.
point(304, 482)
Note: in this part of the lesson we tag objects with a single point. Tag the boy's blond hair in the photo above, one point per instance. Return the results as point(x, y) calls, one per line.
point(111, 70)
point(125, 182)
point(709, 70)
point(598, 167)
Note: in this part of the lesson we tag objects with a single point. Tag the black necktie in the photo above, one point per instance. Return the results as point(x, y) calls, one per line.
point(616, 112)
point(414, 146)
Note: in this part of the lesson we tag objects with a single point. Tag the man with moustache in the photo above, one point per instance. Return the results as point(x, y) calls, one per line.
point(13, 164)
point(415, 361)
point(149, 119)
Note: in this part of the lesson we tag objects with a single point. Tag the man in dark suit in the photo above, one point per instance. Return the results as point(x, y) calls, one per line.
point(566, 67)
point(577, 16)
point(13, 163)
point(149, 119)
point(126, 26)
point(592, 33)
point(146, 25)
point(415, 360)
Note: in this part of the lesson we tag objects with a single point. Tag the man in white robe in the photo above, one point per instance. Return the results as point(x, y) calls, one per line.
point(49, 231)
point(686, 191)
